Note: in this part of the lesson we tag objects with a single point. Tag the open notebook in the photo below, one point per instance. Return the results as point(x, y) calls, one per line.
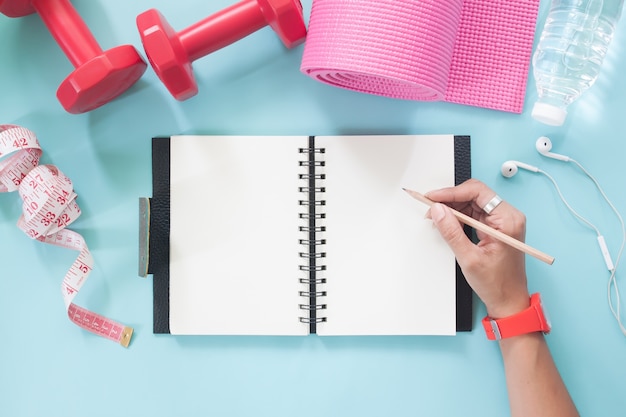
point(291, 235)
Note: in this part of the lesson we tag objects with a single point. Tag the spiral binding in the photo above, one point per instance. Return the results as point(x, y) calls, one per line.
point(313, 267)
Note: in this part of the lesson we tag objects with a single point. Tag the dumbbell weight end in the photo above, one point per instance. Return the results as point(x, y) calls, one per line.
point(166, 54)
point(101, 79)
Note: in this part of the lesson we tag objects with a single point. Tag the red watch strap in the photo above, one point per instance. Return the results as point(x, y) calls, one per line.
point(527, 321)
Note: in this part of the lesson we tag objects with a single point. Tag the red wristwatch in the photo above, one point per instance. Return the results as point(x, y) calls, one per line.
point(532, 319)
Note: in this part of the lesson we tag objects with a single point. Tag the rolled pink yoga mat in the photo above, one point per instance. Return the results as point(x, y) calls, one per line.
point(472, 52)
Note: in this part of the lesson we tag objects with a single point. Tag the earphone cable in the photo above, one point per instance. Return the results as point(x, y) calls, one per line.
point(570, 208)
point(612, 283)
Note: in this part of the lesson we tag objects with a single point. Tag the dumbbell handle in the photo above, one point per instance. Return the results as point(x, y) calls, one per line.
point(222, 29)
point(68, 29)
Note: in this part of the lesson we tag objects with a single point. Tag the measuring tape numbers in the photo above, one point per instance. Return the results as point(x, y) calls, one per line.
point(49, 206)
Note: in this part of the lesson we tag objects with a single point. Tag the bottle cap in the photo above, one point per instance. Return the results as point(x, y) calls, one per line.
point(549, 114)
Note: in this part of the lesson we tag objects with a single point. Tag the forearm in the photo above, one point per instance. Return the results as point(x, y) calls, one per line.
point(534, 384)
point(497, 273)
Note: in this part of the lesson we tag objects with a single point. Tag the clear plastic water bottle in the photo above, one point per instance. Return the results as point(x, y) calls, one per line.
point(570, 52)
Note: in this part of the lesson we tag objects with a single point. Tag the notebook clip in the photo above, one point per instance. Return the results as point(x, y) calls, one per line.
point(144, 235)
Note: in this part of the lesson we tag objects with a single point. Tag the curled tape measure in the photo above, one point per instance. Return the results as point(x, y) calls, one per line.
point(49, 206)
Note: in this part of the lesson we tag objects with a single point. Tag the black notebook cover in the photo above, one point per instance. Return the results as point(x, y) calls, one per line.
point(159, 233)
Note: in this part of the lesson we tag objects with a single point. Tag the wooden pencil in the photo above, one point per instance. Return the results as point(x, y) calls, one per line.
point(496, 234)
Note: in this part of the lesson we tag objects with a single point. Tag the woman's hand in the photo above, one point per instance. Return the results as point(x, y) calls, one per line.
point(494, 270)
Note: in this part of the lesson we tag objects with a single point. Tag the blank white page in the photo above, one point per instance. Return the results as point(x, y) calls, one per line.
point(234, 235)
point(388, 270)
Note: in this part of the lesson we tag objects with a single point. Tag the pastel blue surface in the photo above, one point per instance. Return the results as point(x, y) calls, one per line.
point(49, 367)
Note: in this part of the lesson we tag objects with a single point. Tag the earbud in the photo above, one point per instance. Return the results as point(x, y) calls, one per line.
point(544, 146)
point(509, 168)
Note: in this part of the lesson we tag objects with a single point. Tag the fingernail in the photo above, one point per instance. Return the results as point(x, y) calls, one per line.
point(437, 212)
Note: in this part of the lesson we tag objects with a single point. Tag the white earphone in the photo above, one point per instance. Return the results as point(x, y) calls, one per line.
point(544, 147)
point(510, 168)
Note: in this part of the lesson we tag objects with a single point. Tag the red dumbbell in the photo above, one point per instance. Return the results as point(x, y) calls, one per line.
point(99, 76)
point(171, 53)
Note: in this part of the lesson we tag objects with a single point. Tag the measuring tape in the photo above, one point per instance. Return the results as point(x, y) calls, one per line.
point(49, 206)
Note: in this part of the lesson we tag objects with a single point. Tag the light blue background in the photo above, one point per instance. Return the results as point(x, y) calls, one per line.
point(49, 367)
